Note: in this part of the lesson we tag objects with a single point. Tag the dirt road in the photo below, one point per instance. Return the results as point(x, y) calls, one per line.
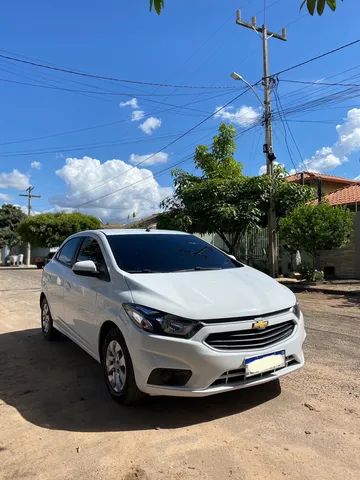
point(57, 421)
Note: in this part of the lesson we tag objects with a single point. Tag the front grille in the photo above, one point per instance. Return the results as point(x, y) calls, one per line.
point(238, 376)
point(250, 339)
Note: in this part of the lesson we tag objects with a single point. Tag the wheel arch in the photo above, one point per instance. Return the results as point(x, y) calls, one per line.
point(105, 327)
point(42, 297)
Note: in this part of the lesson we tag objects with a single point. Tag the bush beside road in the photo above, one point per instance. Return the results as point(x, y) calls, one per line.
point(57, 421)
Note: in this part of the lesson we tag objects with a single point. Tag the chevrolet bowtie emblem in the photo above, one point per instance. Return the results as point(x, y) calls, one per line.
point(260, 324)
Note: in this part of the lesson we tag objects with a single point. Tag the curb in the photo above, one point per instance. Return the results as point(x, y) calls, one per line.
point(309, 288)
point(32, 267)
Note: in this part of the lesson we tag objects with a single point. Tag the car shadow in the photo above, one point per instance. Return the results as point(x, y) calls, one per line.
point(58, 386)
point(352, 300)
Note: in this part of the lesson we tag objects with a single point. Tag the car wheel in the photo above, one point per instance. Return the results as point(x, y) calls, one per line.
point(47, 325)
point(118, 369)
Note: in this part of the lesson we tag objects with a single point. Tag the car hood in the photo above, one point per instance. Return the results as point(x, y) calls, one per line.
point(211, 294)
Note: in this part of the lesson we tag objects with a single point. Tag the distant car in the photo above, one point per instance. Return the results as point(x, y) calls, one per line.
point(40, 262)
point(168, 314)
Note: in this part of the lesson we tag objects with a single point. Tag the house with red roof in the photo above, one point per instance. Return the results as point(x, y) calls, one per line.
point(342, 262)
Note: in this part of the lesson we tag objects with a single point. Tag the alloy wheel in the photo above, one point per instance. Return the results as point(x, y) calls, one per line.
point(45, 317)
point(115, 366)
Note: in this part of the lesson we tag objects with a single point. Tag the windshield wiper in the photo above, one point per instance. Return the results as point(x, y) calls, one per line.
point(143, 270)
point(198, 269)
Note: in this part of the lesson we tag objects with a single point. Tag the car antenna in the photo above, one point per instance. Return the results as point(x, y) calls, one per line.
point(148, 229)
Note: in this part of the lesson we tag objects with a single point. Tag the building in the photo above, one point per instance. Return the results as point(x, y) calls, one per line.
point(348, 196)
point(323, 184)
point(341, 262)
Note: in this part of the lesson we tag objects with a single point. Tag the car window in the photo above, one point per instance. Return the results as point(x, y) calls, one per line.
point(90, 250)
point(155, 253)
point(67, 253)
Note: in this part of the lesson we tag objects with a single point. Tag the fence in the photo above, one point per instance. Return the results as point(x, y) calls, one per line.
point(251, 248)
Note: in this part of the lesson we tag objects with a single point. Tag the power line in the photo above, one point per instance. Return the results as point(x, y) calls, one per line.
point(288, 126)
point(120, 94)
point(104, 77)
point(108, 124)
point(155, 175)
point(62, 148)
point(321, 83)
point(167, 145)
point(317, 57)
point(284, 128)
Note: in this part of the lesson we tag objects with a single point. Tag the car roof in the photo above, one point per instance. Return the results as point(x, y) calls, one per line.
point(134, 231)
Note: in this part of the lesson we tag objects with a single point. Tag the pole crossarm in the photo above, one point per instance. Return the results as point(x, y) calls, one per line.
point(253, 26)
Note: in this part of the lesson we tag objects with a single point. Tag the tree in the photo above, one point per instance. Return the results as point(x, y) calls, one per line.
point(317, 227)
point(211, 202)
point(312, 5)
point(10, 217)
point(222, 200)
point(51, 229)
point(319, 5)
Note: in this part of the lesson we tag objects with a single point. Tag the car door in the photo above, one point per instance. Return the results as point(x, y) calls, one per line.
point(53, 279)
point(81, 294)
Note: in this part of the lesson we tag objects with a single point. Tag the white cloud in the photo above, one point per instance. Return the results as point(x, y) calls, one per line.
point(133, 103)
point(4, 197)
point(137, 115)
point(328, 158)
point(149, 159)
point(150, 124)
point(263, 168)
point(243, 116)
point(82, 175)
point(14, 179)
point(36, 165)
point(322, 160)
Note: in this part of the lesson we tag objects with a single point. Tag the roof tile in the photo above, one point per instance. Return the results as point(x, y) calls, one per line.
point(344, 196)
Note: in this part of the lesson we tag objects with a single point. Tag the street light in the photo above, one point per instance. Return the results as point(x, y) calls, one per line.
point(269, 155)
point(237, 76)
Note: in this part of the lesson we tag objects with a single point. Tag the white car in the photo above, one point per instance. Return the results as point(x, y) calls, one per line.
point(166, 313)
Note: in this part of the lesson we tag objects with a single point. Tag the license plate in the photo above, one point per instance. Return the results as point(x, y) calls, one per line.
point(264, 363)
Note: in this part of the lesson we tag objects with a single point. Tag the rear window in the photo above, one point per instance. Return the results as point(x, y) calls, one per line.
point(155, 253)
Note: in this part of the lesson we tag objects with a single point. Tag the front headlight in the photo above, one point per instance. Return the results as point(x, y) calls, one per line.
point(161, 323)
point(296, 310)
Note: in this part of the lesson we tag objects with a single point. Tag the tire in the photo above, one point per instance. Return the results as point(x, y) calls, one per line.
point(47, 325)
point(118, 369)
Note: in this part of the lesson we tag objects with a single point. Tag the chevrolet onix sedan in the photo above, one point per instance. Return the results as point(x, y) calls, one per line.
point(166, 313)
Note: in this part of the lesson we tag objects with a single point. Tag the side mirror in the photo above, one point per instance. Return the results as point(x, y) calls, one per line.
point(86, 268)
point(231, 256)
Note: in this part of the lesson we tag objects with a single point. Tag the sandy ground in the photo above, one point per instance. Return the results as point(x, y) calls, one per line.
point(57, 421)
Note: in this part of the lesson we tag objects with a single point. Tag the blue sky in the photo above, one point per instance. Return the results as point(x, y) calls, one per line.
point(77, 147)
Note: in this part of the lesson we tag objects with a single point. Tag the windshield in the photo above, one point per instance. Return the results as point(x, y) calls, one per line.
point(155, 253)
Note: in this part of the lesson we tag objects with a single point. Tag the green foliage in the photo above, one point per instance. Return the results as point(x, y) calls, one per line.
point(319, 5)
point(220, 161)
point(51, 229)
point(10, 217)
point(317, 227)
point(222, 200)
point(309, 273)
point(158, 5)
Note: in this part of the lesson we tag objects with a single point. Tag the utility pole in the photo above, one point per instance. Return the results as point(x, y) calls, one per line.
point(268, 145)
point(29, 196)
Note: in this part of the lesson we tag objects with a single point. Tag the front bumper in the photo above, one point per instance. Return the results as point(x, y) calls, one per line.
point(213, 371)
